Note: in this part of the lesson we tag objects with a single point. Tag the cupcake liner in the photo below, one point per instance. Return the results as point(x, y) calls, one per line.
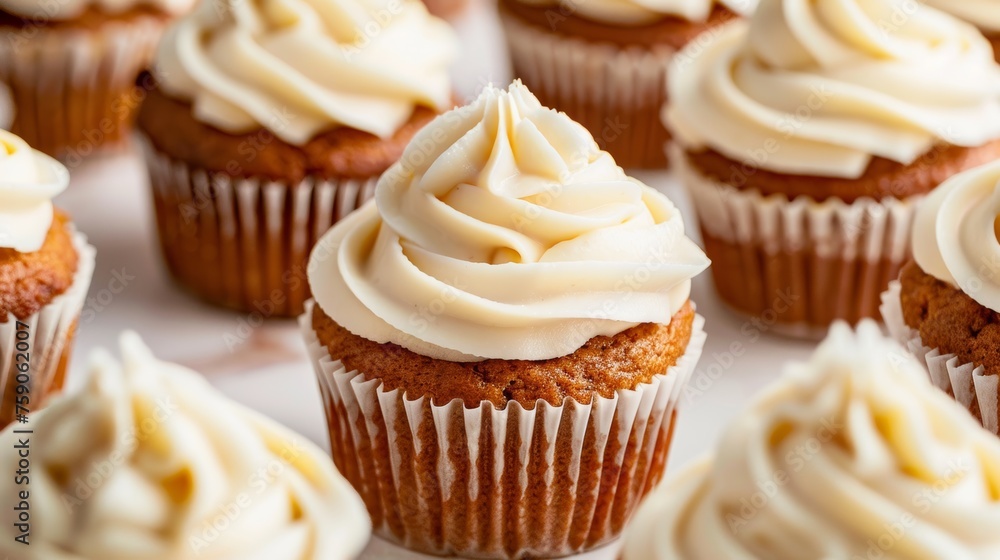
point(244, 242)
point(616, 93)
point(965, 382)
point(798, 265)
point(488, 483)
point(48, 341)
point(74, 90)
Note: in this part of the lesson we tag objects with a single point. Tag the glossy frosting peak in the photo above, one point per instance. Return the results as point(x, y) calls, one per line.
point(956, 235)
point(820, 87)
point(149, 462)
point(504, 232)
point(29, 180)
point(301, 67)
point(851, 455)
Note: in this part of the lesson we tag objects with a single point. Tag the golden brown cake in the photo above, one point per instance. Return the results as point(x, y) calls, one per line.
point(65, 104)
point(606, 68)
point(502, 340)
point(245, 179)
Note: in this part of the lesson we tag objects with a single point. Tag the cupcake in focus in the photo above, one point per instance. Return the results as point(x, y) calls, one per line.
point(851, 455)
point(148, 461)
point(984, 14)
point(604, 62)
point(45, 271)
point(946, 305)
point(502, 339)
point(806, 138)
point(72, 66)
point(272, 120)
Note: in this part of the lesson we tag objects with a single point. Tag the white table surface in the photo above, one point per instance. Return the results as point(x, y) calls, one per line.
point(267, 368)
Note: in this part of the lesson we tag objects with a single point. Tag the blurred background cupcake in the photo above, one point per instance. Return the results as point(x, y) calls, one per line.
point(272, 120)
point(604, 62)
point(71, 66)
point(946, 305)
point(984, 14)
point(512, 323)
point(806, 138)
point(851, 455)
point(45, 271)
point(149, 461)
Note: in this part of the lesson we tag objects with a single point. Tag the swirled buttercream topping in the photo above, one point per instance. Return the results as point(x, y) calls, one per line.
point(149, 462)
point(301, 67)
point(852, 455)
point(984, 14)
point(29, 180)
point(504, 232)
point(820, 87)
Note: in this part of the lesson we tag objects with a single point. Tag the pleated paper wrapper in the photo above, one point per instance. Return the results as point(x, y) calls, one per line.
point(616, 93)
point(244, 243)
point(48, 341)
point(488, 483)
point(74, 90)
point(798, 265)
point(965, 382)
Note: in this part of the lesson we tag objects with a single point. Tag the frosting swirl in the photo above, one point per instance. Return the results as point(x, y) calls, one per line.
point(853, 455)
point(68, 9)
point(149, 462)
point(820, 87)
point(29, 180)
point(504, 232)
point(300, 67)
point(639, 12)
point(985, 14)
point(956, 234)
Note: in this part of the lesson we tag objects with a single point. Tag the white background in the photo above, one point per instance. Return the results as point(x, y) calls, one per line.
point(267, 368)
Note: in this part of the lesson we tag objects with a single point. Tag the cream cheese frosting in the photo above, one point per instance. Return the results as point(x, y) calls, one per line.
point(639, 12)
point(985, 14)
point(504, 232)
point(956, 235)
point(69, 9)
point(29, 180)
point(820, 87)
point(301, 67)
point(149, 462)
point(851, 455)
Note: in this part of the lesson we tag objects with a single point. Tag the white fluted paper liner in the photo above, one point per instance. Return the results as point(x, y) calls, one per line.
point(965, 382)
point(49, 330)
point(802, 262)
point(71, 88)
point(542, 496)
point(244, 242)
point(616, 93)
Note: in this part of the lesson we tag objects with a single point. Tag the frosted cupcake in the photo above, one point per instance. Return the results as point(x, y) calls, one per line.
point(984, 14)
point(72, 66)
point(148, 461)
point(271, 121)
point(807, 136)
point(512, 322)
point(45, 271)
point(604, 62)
point(946, 305)
point(851, 455)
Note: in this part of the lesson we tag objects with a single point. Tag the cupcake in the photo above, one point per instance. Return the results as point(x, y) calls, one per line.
point(71, 66)
point(985, 14)
point(605, 62)
point(501, 337)
point(446, 8)
point(271, 121)
point(148, 461)
point(853, 455)
point(45, 271)
point(946, 305)
point(806, 137)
